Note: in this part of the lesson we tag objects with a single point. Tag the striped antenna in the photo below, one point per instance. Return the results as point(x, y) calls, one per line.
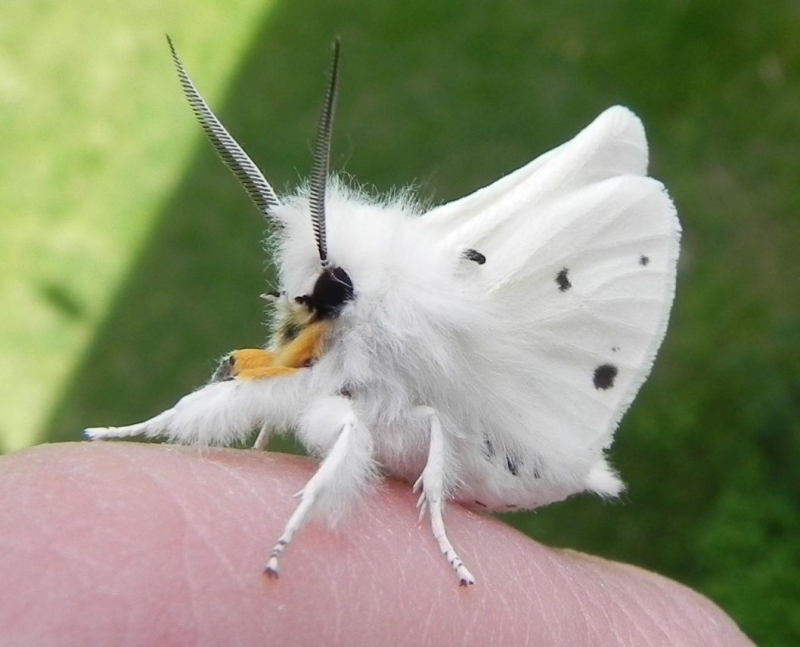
point(322, 155)
point(230, 152)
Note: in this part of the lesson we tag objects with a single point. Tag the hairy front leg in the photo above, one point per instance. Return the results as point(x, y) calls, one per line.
point(222, 413)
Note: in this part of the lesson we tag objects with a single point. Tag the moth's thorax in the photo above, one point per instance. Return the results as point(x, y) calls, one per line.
point(374, 242)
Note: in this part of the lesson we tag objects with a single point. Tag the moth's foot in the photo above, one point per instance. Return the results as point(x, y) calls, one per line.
point(271, 569)
point(149, 427)
point(465, 578)
point(104, 433)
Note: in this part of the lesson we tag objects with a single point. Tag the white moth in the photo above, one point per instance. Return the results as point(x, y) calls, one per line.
point(485, 350)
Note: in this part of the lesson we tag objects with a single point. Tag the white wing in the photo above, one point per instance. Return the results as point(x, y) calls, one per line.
point(581, 251)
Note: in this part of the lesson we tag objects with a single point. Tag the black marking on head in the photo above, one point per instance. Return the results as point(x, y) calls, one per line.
point(474, 255)
point(644, 260)
point(604, 376)
point(331, 291)
point(563, 280)
point(512, 466)
point(346, 392)
point(488, 447)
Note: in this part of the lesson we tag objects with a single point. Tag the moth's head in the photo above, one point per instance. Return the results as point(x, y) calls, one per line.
point(332, 288)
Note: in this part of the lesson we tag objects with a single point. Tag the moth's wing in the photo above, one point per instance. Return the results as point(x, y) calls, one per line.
point(581, 251)
point(587, 289)
point(613, 144)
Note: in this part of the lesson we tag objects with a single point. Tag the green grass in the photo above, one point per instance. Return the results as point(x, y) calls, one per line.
point(94, 138)
point(137, 262)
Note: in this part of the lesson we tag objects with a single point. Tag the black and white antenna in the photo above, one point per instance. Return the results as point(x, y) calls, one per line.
point(322, 155)
point(232, 154)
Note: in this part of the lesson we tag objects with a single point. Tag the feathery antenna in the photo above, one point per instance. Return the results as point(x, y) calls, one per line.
point(322, 155)
point(228, 149)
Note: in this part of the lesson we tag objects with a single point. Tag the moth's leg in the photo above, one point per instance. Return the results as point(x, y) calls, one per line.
point(306, 348)
point(346, 466)
point(149, 427)
point(222, 412)
point(244, 359)
point(433, 491)
point(262, 372)
point(263, 438)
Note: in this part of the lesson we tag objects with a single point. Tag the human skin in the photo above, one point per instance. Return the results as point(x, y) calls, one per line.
point(134, 544)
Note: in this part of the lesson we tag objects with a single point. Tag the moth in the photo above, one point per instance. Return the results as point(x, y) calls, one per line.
point(484, 350)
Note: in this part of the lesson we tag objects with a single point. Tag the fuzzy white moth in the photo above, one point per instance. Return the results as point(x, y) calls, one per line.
point(485, 350)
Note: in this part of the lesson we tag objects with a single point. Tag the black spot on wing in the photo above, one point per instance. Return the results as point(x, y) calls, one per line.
point(644, 260)
point(604, 376)
point(614, 349)
point(474, 255)
point(488, 447)
point(563, 280)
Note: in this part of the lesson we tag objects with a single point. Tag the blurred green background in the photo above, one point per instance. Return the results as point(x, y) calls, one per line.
point(131, 259)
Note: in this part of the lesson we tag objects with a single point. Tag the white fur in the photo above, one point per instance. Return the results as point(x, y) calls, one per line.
point(502, 357)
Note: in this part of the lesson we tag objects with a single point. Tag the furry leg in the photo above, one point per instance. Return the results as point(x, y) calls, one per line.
point(432, 498)
point(222, 413)
point(347, 465)
point(147, 428)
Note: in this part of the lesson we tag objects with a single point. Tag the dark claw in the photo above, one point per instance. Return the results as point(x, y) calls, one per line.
point(271, 573)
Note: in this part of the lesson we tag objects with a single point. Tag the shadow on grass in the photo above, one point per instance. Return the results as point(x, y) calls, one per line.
point(451, 96)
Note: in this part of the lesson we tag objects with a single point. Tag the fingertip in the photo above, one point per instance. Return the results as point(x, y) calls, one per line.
point(134, 523)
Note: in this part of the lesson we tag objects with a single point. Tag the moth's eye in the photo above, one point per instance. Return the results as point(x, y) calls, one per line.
point(332, 290)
